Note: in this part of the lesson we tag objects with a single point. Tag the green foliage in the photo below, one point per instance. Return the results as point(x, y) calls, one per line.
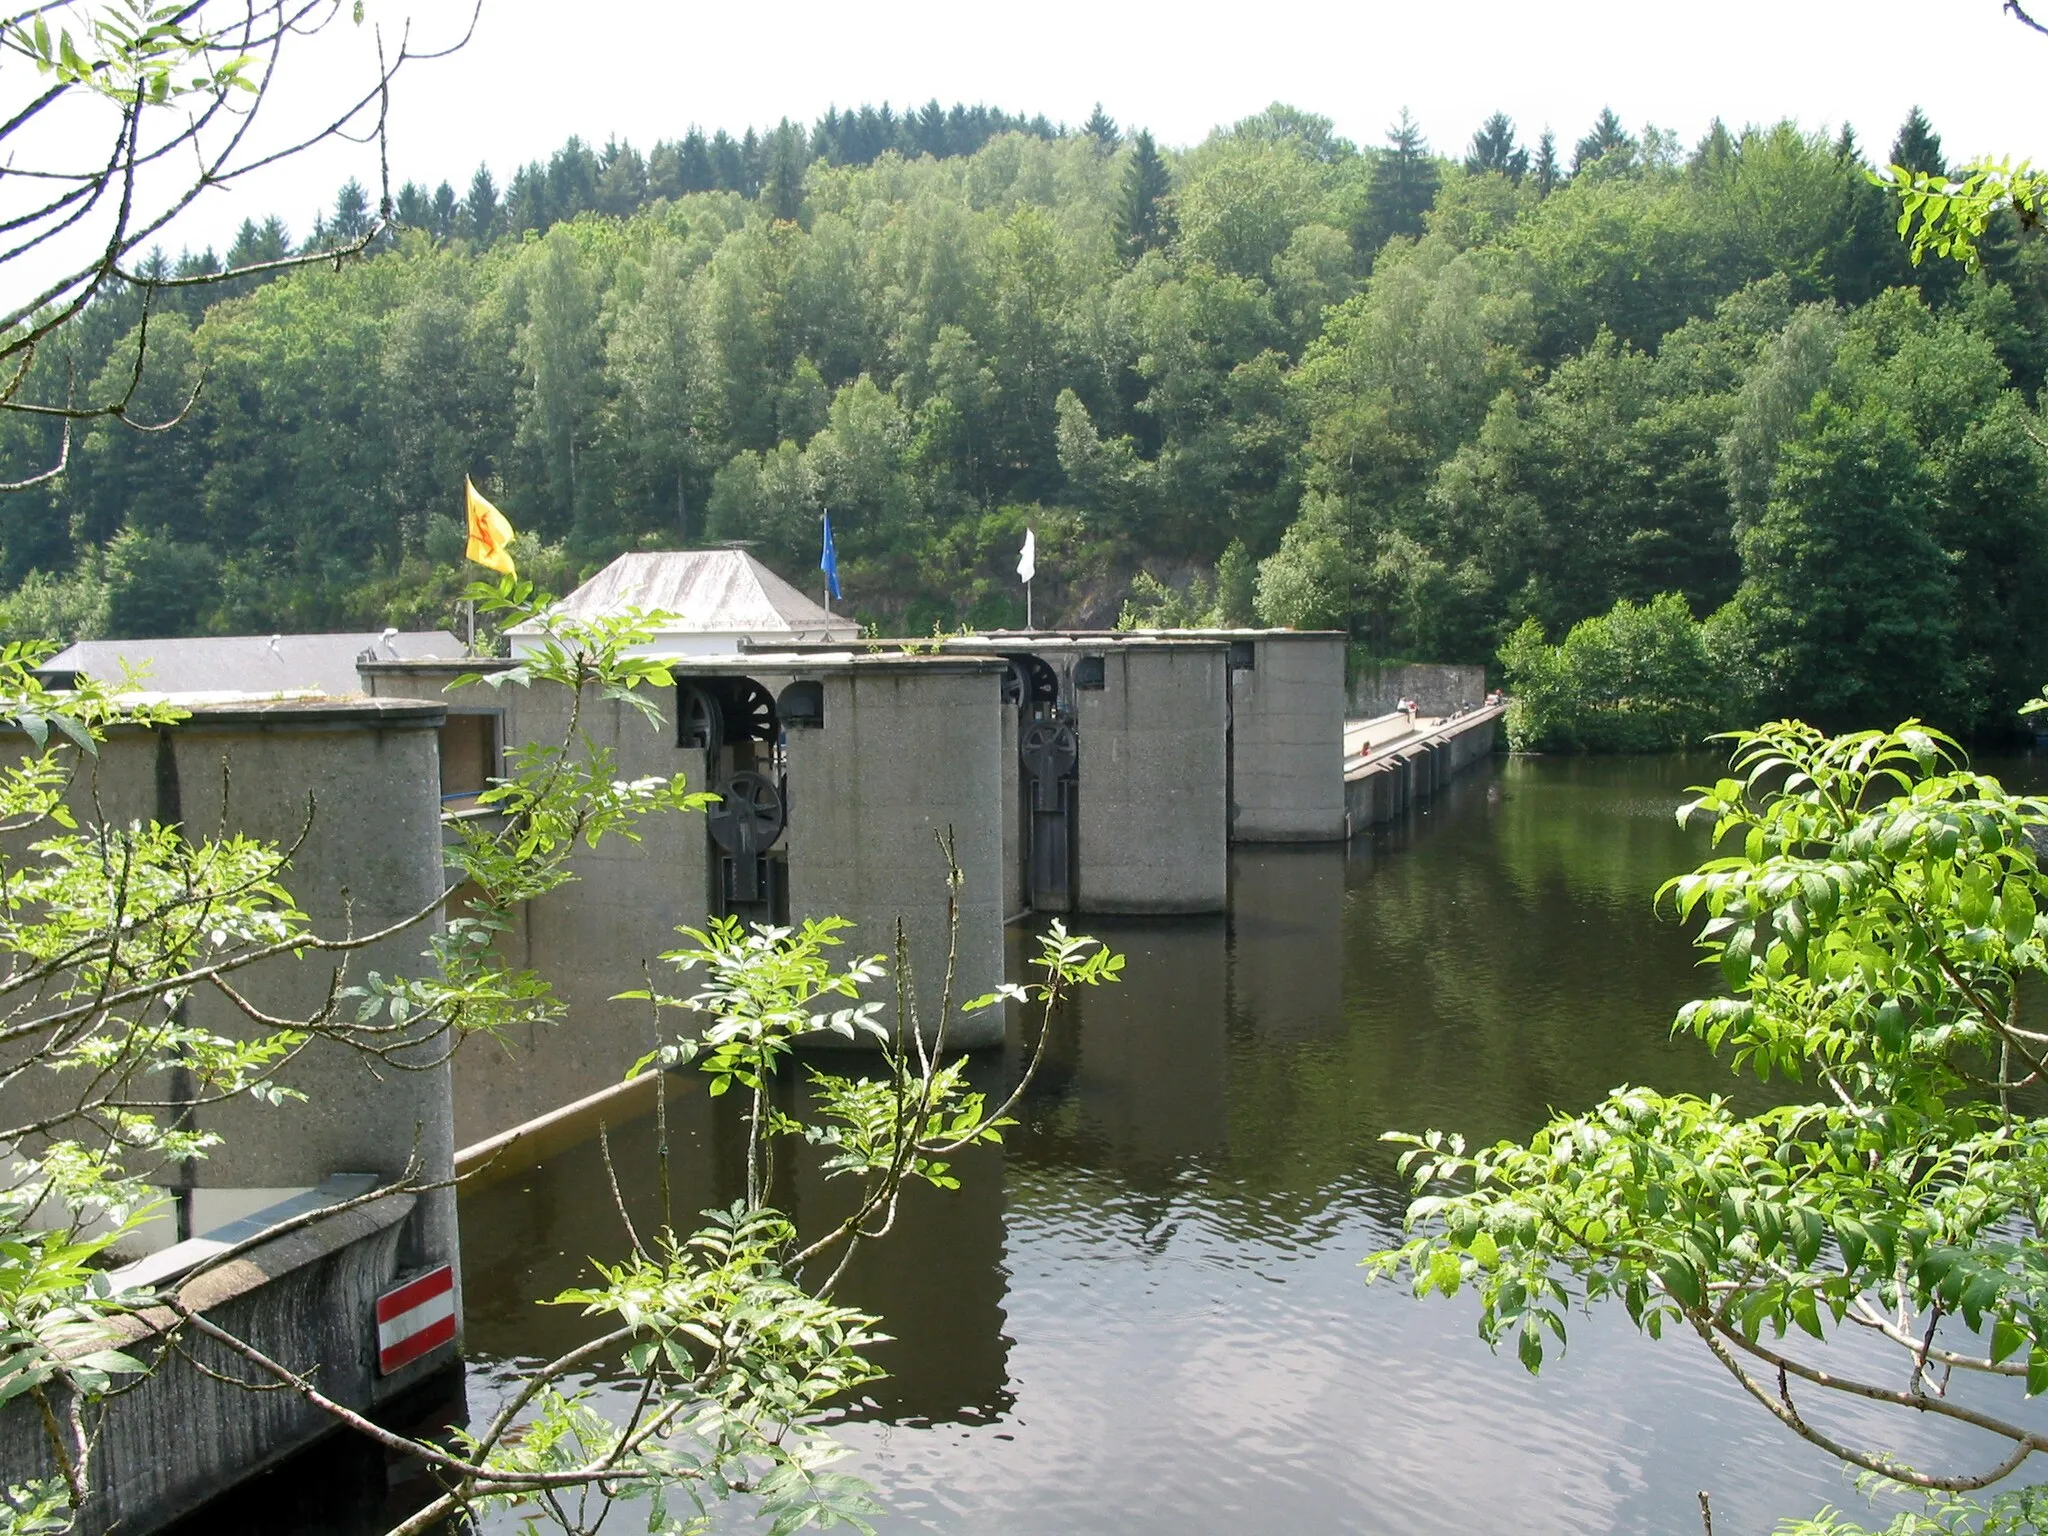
point(2016, 1512)
point(56, 609)
point(1222, 600)
point(1636, 679)
point(1876, 913)
point(1473, 399)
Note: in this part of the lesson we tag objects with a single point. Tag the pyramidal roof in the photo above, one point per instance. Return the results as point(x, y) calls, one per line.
point(704, 591)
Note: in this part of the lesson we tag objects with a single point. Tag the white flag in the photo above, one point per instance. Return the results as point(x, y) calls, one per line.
point(1027, 563)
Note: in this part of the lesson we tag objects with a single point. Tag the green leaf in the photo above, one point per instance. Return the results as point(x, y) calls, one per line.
point(2006, 1338)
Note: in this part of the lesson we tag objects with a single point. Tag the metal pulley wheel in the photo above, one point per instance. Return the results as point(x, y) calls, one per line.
point(700, 719)
point(749, 816)
point(749, 711)
point(1049, 750)
point(1031, 681)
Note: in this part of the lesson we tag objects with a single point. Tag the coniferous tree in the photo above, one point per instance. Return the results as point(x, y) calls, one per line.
point(928, 130)
point(753, 165)
point(728, 170)
point(1402, 188)
point(665, 170)
point(572, 181)
point(1545, 174)
point(1607, 139)
point(621, 179)
point(255, 243)
point(1715, 150)
point(414, 210)
point(526, 203)
point(694, 164)
point(351, 219)
point(481, 215)
point(444, 211)
point(1918, 146)
point(1494, 149)
point(1141, 223)
point(783, 190)
point(1101, 127)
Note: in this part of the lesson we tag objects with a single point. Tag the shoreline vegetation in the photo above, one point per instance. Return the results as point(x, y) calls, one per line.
point(1700, 397)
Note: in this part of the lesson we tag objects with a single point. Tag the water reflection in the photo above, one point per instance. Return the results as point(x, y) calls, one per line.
point(1145, 1312)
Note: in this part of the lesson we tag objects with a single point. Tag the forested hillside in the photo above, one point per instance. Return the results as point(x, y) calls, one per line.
point(1422, 397)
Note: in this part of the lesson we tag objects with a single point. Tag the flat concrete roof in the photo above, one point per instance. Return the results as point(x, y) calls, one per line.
point(1121, 635)
point(734, 663)
point(305, 711)
point(270, 664)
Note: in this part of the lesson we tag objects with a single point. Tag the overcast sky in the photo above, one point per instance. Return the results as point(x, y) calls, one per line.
point(537, 72)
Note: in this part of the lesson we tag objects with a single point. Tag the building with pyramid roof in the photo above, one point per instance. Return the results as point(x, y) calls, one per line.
point(718, 602)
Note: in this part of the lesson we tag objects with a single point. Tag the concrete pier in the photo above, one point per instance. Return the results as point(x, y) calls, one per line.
point(1286, 728)
point(856, 763)
point(1147, 789)
point(353, 784)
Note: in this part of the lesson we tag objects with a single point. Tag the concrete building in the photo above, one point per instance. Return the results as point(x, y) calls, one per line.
point(716, 602)
point(254, 664)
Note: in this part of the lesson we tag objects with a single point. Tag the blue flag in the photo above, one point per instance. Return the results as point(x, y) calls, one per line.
point(828, 560)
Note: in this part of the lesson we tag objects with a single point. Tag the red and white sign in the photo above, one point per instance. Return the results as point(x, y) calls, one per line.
point(417, 1317)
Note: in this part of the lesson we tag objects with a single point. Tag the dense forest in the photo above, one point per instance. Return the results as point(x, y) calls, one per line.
point(1423, 397)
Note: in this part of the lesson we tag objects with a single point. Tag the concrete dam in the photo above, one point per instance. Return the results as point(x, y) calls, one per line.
point(1075, 773)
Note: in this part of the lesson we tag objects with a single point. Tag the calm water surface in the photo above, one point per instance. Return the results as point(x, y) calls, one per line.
point(1145, 1313)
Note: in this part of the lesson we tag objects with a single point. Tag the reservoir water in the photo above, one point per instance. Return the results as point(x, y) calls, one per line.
point(1145, 1312)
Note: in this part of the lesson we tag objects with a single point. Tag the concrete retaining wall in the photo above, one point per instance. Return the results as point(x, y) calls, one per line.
point(1440, 689)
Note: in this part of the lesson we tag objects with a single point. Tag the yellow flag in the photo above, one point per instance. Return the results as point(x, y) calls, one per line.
point(490, 536)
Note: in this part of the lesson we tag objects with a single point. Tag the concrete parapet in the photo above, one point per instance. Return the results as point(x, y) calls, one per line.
point(1436, 688)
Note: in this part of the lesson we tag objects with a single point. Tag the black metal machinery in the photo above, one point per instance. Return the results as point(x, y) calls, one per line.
point(733, 721)
point(1049, 756)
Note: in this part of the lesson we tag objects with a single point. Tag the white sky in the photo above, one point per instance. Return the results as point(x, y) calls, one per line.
point(537, 72)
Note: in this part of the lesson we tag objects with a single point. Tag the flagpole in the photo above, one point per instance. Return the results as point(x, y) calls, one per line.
point(1027, 605)
point(471, 607)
